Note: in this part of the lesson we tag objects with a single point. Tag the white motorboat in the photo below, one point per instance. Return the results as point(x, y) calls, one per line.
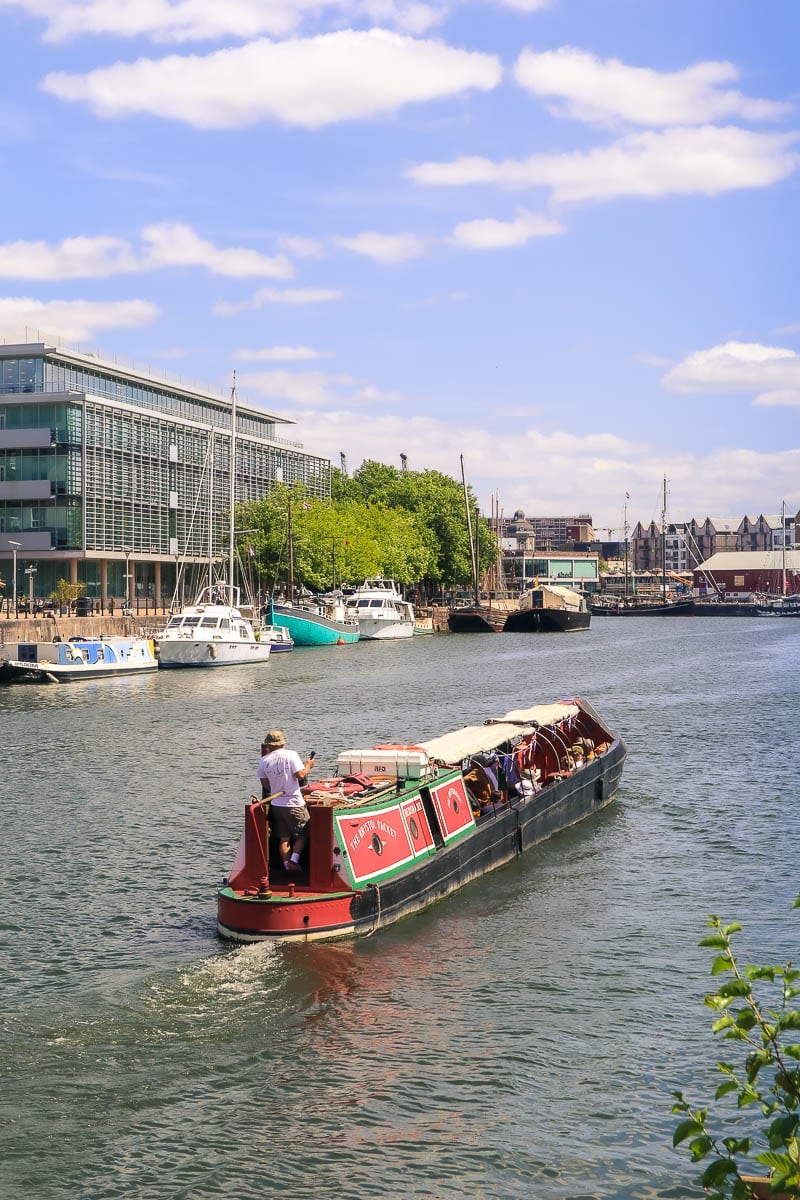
point(212, 632)
point(380, 610)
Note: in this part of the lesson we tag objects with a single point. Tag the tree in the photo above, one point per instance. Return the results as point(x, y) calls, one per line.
point(347, 539)
point(437, 503)
point(754, 1008)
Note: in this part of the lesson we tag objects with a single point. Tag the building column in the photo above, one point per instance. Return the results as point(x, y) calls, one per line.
point(73, 570)
point(103, 582)
point(157, 583)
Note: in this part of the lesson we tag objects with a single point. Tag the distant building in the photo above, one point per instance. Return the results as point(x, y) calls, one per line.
point(690, 543)
point(109, 476)
point(549, 533)
point(741, 573)
point(523, 570)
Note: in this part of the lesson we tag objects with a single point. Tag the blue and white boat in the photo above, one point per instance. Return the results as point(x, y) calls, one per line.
point(83, 658)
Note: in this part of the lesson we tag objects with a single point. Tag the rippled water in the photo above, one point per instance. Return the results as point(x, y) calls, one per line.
point(520, 1039)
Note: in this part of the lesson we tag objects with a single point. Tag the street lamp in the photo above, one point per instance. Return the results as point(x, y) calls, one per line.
point(127, 554)
point(15, 546)
point(30, 571)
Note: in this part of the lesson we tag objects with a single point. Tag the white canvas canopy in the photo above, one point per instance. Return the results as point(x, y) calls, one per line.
point(472, 739)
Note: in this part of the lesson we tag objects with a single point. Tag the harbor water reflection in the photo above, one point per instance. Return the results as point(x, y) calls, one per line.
point(521, 1038)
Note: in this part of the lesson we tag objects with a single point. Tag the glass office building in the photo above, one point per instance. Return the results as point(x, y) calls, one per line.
point(110, 477)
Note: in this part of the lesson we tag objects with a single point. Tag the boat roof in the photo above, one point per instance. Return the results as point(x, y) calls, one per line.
point(472, 739)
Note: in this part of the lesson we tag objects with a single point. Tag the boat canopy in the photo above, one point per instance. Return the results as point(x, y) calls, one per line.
point(472, 739)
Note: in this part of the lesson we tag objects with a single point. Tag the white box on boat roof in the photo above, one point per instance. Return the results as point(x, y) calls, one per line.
point(392, 762)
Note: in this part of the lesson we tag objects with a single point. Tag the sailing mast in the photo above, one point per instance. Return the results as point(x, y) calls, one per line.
point(625, 531)
point(232, 530)
point(290, 540)
point(783, 549)
point(664, 544)
point(211, 517)
point(472, 548)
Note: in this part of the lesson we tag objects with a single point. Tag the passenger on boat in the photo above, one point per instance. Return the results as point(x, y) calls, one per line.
point(282, 773)
point(482, 785)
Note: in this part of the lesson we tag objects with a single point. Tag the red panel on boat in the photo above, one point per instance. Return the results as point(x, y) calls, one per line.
point(376, 842)
point(452, 807)
point(416, 821)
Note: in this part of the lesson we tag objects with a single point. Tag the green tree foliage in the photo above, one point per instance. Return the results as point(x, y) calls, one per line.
point(65, 592)
point(755, 1009)
point(410, 525)
point(436, 502)
point(347, 538)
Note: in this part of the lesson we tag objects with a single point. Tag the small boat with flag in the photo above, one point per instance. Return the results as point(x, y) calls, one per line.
point(399, 827)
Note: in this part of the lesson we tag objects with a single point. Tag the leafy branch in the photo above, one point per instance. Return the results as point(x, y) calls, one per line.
point(762, 1020)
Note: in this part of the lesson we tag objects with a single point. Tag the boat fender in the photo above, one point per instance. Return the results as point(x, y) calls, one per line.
point(212, 651)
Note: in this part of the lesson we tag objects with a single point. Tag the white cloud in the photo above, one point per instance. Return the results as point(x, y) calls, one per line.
point(301, 247)
point(170, 244)
point(384, 247)
point(263, 296)
point(279, 354)
point(737, 368)
point(526, 6)
point(73, 320)
point(607, 90)
point(74, 258)
point(204, 20)
point(681, 161)
point(490, 234)
point(545, 472)
point(311, 82)
point(314, 389)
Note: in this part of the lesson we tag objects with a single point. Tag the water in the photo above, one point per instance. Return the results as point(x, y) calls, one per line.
point(520, 1039)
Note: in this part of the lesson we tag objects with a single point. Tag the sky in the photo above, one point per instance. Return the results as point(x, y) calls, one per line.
point(557, 237)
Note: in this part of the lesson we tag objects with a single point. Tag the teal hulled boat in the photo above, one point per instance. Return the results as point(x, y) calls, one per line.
point(315, 623)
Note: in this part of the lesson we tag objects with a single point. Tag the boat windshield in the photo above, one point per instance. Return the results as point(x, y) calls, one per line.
point(208, 623)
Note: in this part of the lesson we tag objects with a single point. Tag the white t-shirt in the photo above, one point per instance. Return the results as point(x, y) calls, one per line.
point(280, 769)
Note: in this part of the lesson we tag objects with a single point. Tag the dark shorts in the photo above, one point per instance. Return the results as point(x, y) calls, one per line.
point(287, 822)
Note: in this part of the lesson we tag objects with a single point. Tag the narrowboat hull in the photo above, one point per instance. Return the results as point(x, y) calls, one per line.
point(547, 620)
point(448, 851)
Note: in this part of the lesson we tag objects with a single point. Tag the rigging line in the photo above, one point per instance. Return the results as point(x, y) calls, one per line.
point(182, 563)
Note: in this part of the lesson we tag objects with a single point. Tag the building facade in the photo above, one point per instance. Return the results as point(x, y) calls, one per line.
point(550, 533)
point(742, 574)
point(523, 570)
point(110, 477)
point(693, 542)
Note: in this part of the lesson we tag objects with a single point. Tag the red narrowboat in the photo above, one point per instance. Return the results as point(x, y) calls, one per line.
point(399, 827)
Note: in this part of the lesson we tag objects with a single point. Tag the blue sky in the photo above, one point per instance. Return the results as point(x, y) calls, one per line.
point(555, 236)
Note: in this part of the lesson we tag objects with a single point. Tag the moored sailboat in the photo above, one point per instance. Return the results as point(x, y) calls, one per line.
point(312, 620)
point(213, 631)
